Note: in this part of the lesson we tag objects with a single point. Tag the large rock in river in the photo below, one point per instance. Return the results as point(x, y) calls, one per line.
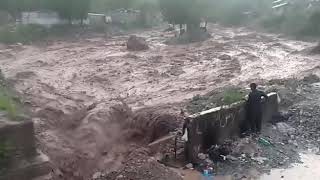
point(137, 43)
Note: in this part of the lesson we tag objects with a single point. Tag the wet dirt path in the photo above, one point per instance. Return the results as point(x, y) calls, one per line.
point(309, 169)
point(61, 79)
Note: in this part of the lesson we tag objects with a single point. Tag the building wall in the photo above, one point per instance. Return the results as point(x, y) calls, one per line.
point(97, 20)
point(47, 19)
point(124, 17)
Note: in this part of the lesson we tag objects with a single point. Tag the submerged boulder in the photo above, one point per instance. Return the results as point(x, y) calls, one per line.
point(316, 50)
point(136, 43)
point(225, 57)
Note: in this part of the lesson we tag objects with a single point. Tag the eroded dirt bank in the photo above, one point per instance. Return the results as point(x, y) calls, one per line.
point(72, 87)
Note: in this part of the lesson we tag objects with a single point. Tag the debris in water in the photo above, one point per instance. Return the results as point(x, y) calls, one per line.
point(202, 156)
point(264, 142)
point(96, 175)
point(137, 43)
point(189, 166)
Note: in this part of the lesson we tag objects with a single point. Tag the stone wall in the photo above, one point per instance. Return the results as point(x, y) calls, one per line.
point(19, 136)
point(215, 125)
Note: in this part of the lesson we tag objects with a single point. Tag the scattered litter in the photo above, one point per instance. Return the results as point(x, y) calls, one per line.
point(96, 175)
point(202, 156)
point(264, 142)
point(260, 160)
point(189, 166)
point(232, 158)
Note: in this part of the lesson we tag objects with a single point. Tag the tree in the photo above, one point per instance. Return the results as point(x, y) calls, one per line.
point(118, 4)
point(181, 12)
point(80, 9)
point(149, 11)
point(13, 7)
point(70, 9)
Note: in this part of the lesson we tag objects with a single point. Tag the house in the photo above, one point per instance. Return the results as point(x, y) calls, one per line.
point(124, 16)
point(98, 19)
point(45, 18)
point(279, 6)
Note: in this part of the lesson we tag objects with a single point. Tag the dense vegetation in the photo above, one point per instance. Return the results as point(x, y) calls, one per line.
point(22, 33)
point(189, 12)
point(297, 18)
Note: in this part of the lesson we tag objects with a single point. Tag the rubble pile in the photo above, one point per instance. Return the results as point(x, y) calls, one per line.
point(141, 166)
point(307, 122)
point(241, 155)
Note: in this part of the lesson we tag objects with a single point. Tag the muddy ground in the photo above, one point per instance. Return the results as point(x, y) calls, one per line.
point(76, 89)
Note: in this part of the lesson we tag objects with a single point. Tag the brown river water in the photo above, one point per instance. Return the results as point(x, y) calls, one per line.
point(61, 78)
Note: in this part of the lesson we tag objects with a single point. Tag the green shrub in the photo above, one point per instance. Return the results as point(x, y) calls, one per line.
point(6, 149)
point(272, 22)
point(22, 33)
point(293, 22)
point(8, 105)
point(312, 25)
point(214, 99)
point(63, 29)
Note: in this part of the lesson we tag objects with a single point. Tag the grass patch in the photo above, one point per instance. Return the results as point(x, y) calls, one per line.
point(232, 96)
point(215, 99)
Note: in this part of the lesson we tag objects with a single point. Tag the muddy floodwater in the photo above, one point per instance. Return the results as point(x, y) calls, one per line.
point(61, 79)
point(307, 170)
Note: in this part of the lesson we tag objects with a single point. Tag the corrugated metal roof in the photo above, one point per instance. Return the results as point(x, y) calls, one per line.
point(280, 5)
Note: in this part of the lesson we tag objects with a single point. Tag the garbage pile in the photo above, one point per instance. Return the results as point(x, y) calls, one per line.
point(237, 156)
point(306, 121)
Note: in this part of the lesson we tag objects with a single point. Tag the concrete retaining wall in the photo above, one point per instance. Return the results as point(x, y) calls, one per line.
point(215, 125)
point(20, 159)
point(19, 137)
